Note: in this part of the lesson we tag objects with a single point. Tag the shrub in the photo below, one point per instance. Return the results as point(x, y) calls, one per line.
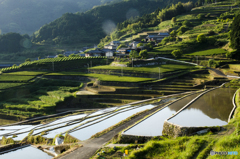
point(139, 44)
point(143, 53)
point(182, 29)
point(201, 38)
point(211, 32)
point(69, 139)
point(174, 19)
point(28, 60)
point(173, 33)
point(177, 53)
point(211, 40)
point(149, 45)
point(200, 16)
point(6, 141)
point(187, 23)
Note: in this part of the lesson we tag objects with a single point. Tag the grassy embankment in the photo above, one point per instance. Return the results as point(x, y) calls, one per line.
point(34, 98)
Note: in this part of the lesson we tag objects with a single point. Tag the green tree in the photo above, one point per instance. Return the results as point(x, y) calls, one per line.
point(139, 44)
point(72, 55)
point(121, 46)
point(60, 55)
point(173, 33)
point(133, 54)
point(235, 33)
point(187, 23)
point(174, 20)
point(149, 45)
point(201, 38)
point(28, 60)
point(143, 54)
point(177, 53)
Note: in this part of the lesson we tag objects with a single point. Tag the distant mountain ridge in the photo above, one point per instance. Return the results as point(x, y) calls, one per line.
point(27, 16)
point(91, 26)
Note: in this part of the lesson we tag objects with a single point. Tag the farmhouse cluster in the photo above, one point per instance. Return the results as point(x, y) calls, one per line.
point(117, 48)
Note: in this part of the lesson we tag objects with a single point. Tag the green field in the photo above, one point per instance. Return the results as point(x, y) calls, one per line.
point(15, 78)
point(25, 73)
point(38, 98)
point(149, 69)
point(10, 85)
point(209, 52)
point(103, 77)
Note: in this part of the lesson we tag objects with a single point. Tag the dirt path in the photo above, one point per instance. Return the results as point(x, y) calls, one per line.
point(92, 145)
point(218, 72)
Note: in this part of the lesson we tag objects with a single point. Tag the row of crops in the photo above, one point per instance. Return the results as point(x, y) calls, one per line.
point(49, 61)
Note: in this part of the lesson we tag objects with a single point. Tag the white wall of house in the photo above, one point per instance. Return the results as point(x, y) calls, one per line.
point(109, 54)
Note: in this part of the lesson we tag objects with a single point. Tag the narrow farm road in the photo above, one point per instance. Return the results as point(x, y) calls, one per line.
point(218, 72)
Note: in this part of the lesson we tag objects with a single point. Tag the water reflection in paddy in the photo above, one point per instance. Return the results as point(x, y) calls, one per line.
point(211, 109)
point(86, 133)
point(153, 125)
point(26, 153)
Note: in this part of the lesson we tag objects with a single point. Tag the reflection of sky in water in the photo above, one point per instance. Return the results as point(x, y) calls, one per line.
point(86, 133)
point(53, 133)
point(211, 109)
point(195, 117)
point(148, 127)
point(59, 122)
point(26, 153)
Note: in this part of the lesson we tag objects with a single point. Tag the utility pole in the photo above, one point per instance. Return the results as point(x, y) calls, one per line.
point(122, 70)
point(88, 68)
point(197, 59)
point(159, 71)
point(132, 62)
point(53, 65)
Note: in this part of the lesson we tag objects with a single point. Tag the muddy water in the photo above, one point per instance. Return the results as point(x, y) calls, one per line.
point(212, 109)
point(26, 153)
point(153, 125)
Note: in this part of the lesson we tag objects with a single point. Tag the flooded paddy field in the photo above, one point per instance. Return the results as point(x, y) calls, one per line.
point(211, 109)
point(28, 152)
point(153, 125)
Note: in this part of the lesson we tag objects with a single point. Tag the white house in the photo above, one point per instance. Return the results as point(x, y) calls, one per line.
point(115, 43)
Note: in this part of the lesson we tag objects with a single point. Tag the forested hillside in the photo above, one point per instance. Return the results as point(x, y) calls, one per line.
point(27, 16)
point(91, 26)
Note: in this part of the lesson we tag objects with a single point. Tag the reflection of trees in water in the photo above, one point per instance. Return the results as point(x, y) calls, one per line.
point(181, 103)
point(216, 104)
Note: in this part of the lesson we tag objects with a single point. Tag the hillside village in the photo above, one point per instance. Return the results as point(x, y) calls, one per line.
point(113, 50)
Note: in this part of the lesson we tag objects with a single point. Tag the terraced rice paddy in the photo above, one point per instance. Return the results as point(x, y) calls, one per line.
point(75, 123)
point(26, 153)
point(211, 109)
point(15, 78)
point(10, 85)
point(149, 127)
